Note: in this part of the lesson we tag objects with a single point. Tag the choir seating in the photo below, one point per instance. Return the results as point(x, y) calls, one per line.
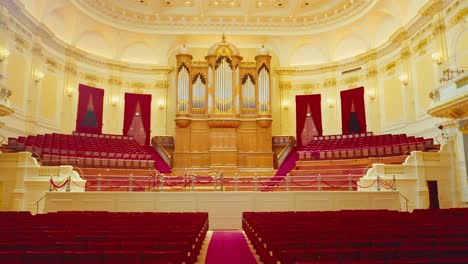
point(363, 145)
point(86, 150)
point(360, 236)
point(101, 237)
point(334, 175)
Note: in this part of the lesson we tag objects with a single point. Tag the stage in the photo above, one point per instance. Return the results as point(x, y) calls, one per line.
point(224, 208)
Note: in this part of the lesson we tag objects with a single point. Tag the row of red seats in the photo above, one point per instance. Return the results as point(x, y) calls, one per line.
point(86, 150)
point(361, 236)
point(101, 237)
point(363, 147)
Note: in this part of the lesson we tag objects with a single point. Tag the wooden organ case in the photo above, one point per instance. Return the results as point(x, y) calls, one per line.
point(223, 117)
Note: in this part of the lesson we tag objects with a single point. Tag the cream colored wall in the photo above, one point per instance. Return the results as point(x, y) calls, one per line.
point(121, 61)
point(224, 208)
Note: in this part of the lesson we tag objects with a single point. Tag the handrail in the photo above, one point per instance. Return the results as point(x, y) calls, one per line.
point(165, 155)
point(37, 203)
point(279, 159)
point(406, 201)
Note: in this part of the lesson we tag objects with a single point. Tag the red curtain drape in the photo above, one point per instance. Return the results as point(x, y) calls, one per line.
point(131, 102)
point(348, 97)
point(89, 114)
point(302, 101)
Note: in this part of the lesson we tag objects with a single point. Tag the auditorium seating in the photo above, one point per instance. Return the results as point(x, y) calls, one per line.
point(360, 236)
point(101, 237)
point(87, 150)
point(362, 145)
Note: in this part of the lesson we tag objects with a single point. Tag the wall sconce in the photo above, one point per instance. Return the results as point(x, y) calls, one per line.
point(330, 102)
point(437, 58)
point(114, 101)
point(285, 105)
point(38, 75)
point(403, 78)
point(4, 53)
point(161, 104)
point(71, 91)
point(371, 94)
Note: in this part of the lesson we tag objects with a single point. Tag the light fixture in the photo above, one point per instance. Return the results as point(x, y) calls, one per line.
point(403, 78)
point(4, 53)
point(371, 94)
point(161, 104)
point(38, 75)
point(114, 101)
point(71, 91)
point(285, 105)
point(330, 102)
point(437, 58)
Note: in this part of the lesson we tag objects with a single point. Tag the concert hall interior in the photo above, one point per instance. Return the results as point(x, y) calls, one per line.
point(233, 131)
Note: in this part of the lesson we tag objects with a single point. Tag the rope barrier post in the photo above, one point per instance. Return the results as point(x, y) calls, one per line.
point(50, 184)
point(193, 182)
point(222, 180)
point(68, 184)
point(98, 183)
point(394, 183)
point(236, 180)
point(161, 184)
point(288, 180)
point(255, 182)
point(216, 181)
point(319, 182)
point(378, 183)
point(130, 183)
point(350, 182)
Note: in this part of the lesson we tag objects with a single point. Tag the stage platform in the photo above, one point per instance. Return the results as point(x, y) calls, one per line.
point(224, 208)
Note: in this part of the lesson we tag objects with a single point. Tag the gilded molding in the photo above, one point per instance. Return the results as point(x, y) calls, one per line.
point(372, 72)
point(285, 85)
point(331, 82)
point(115, 81)
point(460, 16)
point(161, 84)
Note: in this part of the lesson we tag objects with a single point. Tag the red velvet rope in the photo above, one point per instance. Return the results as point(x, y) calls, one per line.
point(307, 184)
point(390, 185)
point(271, 183)
point(198, 179)
point(58, 186)
point(365, 187)
point(340, 186)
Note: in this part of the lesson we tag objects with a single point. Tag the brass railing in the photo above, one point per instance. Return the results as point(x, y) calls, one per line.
point(162, 152)
point(279, 159)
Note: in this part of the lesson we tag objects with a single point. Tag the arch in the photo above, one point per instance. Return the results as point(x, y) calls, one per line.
point(460, 51)
point(94, 42)
point(350, 46)
point(386, 26)
point(138, 52)
point(308, 54)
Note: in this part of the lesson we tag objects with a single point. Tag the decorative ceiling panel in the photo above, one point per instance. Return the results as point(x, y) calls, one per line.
point(244, 16)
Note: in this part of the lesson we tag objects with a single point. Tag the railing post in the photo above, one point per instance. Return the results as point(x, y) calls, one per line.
point(288, 180)
point(216, 181)
point(236, 180)
point(161, 182)
point(378, 183)
point(222, 180)
point(255, 182)
point(350, 183)
point(68, 184)
point(130, 183)
point(98, 183)
point(50, 184)
point(319, 182)
point(192, 177)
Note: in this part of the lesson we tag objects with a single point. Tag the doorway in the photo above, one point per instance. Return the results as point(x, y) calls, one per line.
point(433, 194)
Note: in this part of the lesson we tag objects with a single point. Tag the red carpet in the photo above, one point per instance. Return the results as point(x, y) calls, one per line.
point(229, 247)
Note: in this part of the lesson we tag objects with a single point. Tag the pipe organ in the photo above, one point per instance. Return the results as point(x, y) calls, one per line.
point(223, 117)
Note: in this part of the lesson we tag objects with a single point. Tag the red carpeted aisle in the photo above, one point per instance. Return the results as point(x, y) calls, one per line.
point(229, 247)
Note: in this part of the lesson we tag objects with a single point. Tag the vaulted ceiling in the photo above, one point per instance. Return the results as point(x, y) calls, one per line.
point(298, 32)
